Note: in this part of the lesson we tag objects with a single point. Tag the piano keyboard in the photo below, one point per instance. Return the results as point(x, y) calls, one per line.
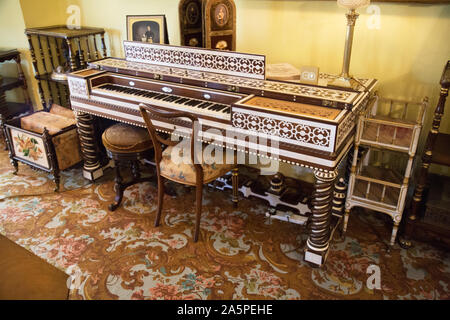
point(179, 97)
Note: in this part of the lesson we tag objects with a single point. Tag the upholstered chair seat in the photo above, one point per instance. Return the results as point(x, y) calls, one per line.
point(182, 170)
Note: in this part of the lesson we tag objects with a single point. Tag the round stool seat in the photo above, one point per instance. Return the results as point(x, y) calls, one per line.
point(124, 138)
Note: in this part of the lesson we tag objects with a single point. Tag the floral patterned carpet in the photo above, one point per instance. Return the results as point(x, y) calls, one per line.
point(240, 254)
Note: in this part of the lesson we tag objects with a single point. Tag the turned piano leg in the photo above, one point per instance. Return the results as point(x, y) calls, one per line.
point(92, 168)
point(319, 235)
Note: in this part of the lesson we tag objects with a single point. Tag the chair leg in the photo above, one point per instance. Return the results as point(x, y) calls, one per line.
point(119, 188)
point(160, 199)
point(198, 210)
point(345, 222)
point(57, 179)
point(235, 183)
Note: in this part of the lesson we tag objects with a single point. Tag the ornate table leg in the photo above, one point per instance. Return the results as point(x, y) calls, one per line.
point(319, 237)
point(339, 197)
point(404, 240)
point(92, 168)
point(8, 144)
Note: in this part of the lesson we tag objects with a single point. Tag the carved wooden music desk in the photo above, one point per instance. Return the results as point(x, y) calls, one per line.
point(303, 125)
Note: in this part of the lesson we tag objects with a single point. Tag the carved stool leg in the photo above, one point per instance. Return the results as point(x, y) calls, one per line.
point(135, 169)
point(118, 186)
point(235, 183)
point(319, 236)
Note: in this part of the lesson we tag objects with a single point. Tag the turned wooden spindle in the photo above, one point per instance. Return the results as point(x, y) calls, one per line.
point(413, 214)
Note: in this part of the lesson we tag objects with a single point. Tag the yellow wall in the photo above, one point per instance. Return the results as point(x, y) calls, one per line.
point(407, 54)
point(11, 36)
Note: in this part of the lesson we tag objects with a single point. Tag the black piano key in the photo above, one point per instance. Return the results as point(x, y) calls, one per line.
point(178, 99)
point(175, 98)
point(212, 107)
point(221, 107)
point(196, 102)
point(160, 96)
point(150, 94)
point(170, 98)
point(182, 100)
point(203, 105)
point(190, 102)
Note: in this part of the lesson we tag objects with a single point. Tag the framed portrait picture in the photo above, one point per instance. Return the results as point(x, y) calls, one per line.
point(147, 28)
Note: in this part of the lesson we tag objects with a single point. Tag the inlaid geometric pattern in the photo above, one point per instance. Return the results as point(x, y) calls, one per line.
point(345, 127)
point(334, 95)
point(317, 136)
point(78, 87)
point(224, 62)
point(293, 108)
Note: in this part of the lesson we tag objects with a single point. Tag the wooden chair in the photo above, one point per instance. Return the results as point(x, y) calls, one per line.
point(193, 173)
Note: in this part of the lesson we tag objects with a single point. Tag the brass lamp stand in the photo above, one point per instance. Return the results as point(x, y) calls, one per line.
point(345, 79)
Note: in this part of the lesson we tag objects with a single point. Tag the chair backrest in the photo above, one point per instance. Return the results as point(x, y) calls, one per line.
point(149, 113)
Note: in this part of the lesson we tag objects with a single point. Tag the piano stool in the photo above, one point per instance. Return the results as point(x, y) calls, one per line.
point(126, 145)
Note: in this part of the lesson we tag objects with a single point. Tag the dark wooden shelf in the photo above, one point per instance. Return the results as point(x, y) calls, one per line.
point(12, 109)
point(48, 77)
point(8, 83)
point(8, 54)
point(62, 31)
point(441, 153)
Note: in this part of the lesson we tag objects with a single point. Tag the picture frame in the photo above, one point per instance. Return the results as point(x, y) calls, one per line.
point(147, 28)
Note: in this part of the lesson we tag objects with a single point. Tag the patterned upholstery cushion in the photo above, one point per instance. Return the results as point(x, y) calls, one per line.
point(177, 168)
point(37, 121)
point(125, 138)
point(65, 112)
